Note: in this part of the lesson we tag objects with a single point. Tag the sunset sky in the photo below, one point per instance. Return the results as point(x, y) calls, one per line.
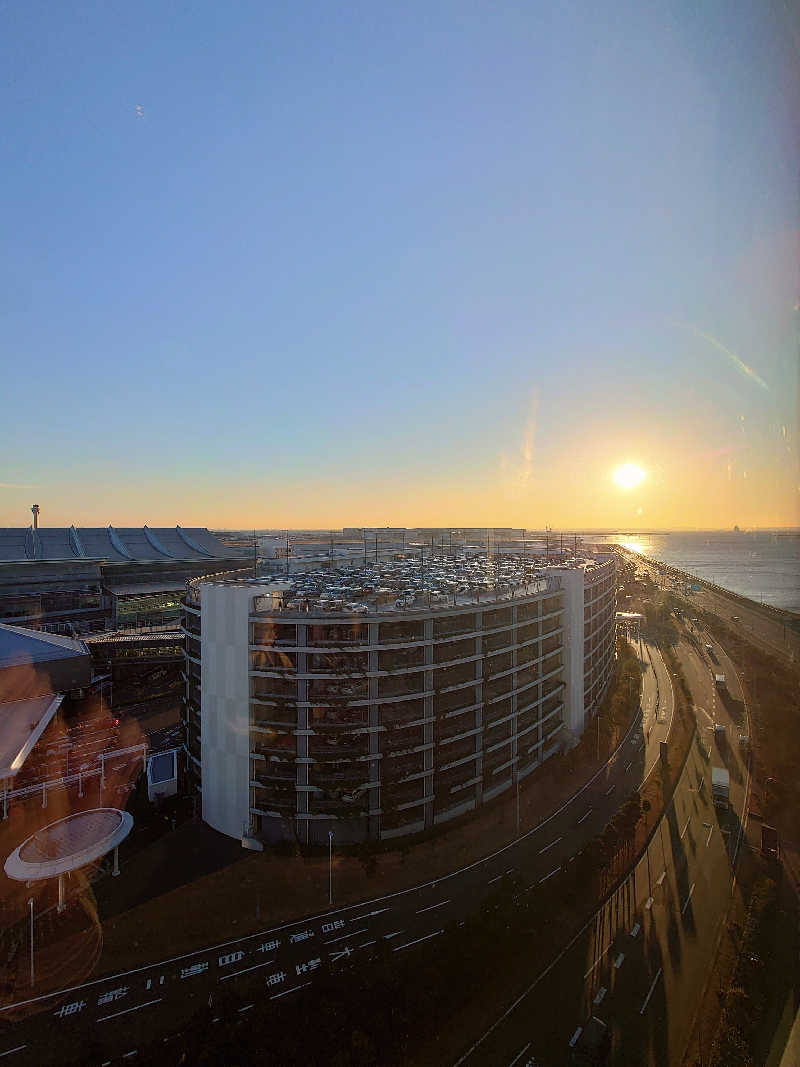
point(317, 264)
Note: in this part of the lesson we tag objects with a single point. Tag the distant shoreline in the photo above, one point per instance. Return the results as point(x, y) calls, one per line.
point(768, 610)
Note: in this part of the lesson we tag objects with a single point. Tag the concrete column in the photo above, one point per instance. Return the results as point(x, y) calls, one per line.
point(301, 750)
point(479, 709)
point(428, 780)
point(374, 720)
point(514, 713)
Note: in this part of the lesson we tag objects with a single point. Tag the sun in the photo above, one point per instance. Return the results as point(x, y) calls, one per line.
point(629, 475)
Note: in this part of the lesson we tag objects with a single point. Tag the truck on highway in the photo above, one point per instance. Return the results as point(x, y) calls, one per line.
point(719, 681)
point(720, 788)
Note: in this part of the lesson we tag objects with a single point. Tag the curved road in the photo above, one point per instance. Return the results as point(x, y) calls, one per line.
point(162, 996)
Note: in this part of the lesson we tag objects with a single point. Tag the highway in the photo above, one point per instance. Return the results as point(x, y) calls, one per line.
point(161, 997)
point(641, 963)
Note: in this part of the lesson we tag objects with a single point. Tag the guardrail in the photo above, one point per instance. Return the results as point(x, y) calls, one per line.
point(141, 751)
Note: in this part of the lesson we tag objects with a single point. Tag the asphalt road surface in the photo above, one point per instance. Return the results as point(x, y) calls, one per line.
point(641, 964)
point(159, 999)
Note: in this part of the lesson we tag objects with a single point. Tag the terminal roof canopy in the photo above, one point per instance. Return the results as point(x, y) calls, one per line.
point(116, 545)
point(22, 723)
point(19, 646)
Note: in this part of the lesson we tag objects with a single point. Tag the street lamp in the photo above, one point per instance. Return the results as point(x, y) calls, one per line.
point(30, 905)
point(598, 718)
point(330, 868)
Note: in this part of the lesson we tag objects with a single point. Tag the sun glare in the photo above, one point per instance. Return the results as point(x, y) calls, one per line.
point(628, 476)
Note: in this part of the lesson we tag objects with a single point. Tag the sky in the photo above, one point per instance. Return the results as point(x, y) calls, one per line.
point(325, 264)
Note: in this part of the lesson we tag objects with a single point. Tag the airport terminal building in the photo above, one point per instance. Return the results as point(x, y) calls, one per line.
point(377, 705)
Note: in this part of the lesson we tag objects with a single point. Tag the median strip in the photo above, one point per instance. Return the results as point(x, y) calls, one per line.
point(686, 902)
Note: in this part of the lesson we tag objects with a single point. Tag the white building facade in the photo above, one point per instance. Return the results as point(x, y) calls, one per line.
point(301, 720)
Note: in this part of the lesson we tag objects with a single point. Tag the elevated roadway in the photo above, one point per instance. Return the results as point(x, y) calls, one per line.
point(642, 962)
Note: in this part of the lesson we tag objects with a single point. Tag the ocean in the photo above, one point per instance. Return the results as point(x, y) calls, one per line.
point(761, 565)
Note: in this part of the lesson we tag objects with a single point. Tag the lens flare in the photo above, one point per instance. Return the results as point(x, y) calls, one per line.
point(629, 475)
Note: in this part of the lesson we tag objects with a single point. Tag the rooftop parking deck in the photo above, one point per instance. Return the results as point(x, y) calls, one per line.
point(409, 583)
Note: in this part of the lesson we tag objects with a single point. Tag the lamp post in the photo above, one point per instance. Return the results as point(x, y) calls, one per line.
point(330, 868)
point(30, 905)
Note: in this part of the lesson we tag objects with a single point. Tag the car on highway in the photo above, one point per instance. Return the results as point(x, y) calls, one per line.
point(592, 1045)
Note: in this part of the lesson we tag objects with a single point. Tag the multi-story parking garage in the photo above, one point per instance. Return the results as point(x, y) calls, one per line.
point(397, 709)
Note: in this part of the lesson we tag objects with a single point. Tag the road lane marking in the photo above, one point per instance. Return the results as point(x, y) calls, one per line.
point(619, 961)
point(610, 790)
point(410, 943)
point(635, 929)
point(550, 875)
point(661, 877)
point(686, 827)
point(388, 937)
point(708, 839)
point(255, 967)
point(147, 1004)
point(247, 1007)
point(286, 992)
point(686, 902)
point(367, 944)
point(546, 847)
point(650, 992)
point(574, 1039)
point(18, 1048)
point(432, 907)
point(601, 992)
point(585, 815)
point(648, 904)
point(295, 923)
point(344, 937)
point(367, 915)
point(628, 767)
point(519, 1055)
point(497, 879)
